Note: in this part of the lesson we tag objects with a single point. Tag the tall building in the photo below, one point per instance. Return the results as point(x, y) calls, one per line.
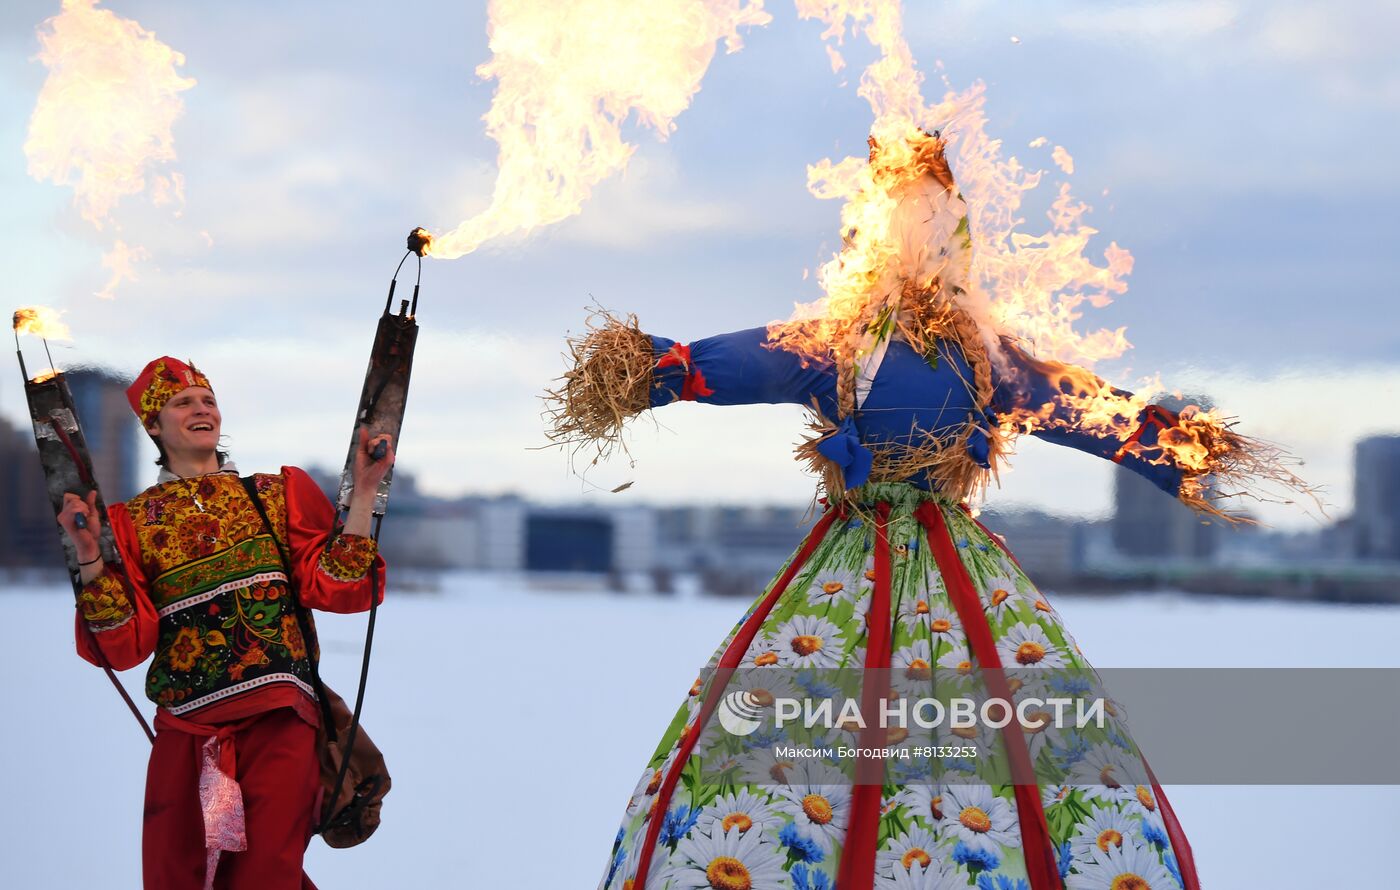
point(113, 433)
point(589, 539)
point(1050, 548)
point(28, 533)
point(1148, 524)
point(734, 550)
point(1376, 518)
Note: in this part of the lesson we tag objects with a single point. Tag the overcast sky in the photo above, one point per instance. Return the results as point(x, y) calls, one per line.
point(1246, 149)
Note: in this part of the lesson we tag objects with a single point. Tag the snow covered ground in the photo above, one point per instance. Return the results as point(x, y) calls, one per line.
point(515, 722)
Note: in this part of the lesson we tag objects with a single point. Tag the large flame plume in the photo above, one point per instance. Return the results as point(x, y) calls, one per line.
point(568, 76)
point(904, 241)
point(103, 122)
point(1030, 286)
point(41, 321)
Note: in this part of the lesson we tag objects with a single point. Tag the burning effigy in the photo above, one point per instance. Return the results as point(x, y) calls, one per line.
point(945, 332)
point(915, 399)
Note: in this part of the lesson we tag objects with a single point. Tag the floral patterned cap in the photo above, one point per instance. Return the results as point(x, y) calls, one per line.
point(159, 382)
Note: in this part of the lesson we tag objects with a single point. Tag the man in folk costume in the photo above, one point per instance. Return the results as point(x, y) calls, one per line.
point(212, 593)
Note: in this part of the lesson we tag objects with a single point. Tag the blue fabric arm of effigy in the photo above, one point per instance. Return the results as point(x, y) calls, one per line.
point(740, 368)
point(1030, 384)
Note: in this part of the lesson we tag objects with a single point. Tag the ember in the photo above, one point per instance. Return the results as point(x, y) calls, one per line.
point(420, 241)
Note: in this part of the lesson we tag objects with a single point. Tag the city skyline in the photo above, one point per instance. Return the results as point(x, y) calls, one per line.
point(594, 486)
point(1145, 529)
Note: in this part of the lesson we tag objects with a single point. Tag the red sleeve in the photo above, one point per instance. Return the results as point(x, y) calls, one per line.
point(116, 624)
point(331, 575)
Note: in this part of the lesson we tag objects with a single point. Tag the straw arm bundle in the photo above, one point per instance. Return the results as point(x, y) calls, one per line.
point(609, 382)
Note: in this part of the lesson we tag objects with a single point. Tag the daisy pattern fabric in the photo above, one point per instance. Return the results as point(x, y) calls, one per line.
point(897, 578)
point(766, 822)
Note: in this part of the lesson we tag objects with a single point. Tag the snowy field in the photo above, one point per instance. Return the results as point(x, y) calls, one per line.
point(488, 792)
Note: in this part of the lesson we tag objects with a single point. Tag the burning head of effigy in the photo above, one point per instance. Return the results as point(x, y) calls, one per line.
point(906, 251)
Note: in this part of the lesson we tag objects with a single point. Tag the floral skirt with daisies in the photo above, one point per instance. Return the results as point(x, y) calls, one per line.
point(911, 596)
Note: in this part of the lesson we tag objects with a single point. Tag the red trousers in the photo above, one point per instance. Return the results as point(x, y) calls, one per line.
point(278, 770)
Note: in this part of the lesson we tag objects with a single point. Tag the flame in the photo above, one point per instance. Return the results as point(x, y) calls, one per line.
point(103, 120)
point(45, 375)
point(567, 77)
point(1195, 440)
point(913, 240)
point(901, 212)
point(904, 234)
point(901, 233)
point(41, 321)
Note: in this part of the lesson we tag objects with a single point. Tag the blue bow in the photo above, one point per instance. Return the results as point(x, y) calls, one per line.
point(979, 442)
point(843, 448)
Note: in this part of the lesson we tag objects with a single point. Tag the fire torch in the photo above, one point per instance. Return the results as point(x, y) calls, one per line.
point(66, 461)
point(382, 401)
point(385, 393)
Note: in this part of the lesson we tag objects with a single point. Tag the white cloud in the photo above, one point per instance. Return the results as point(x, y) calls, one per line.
point(1309, 32)
point(1304, 34)
point(648, 203)
point(1348, 51)
point(1183, 20)
point(1341, 52)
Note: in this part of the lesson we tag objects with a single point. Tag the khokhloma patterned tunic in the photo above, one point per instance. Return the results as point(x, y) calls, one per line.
point(204, 588)
point(903, 590)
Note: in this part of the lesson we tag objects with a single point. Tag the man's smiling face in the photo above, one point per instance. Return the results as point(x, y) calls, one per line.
point(190, 422)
